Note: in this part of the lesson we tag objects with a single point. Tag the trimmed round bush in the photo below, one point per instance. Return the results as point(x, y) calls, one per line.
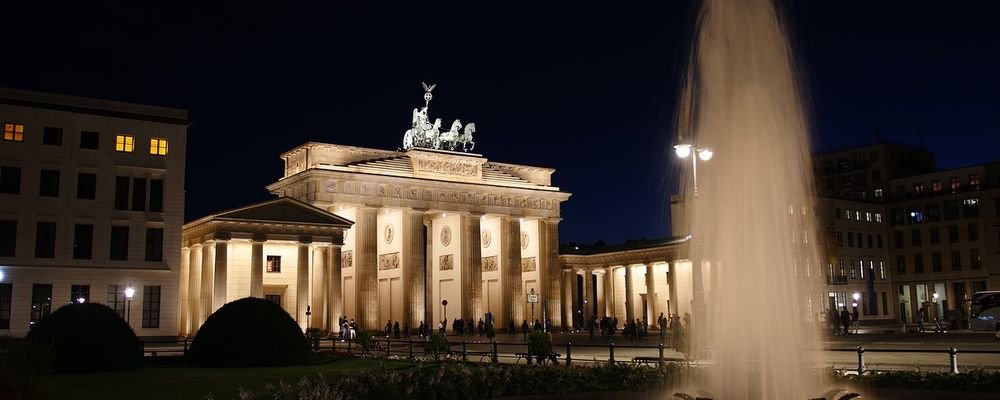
point(249, 332)
point(88, 337)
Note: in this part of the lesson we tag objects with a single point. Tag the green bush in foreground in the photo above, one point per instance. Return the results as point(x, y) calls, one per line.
point(976, 380)
point(20, 364)
point(249, 332)
point(88, 337)
point(464, 381)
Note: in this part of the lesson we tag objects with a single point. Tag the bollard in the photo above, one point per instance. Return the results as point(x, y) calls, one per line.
point(411, 349)
point(494, 356)
point(465, 352)
point(953, 353)
point(861, 360)
point(611, 352)
point(569, 353)
point(661, 354)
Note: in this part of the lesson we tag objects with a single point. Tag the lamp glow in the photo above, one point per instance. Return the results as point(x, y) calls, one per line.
point(705, 154)
point(935, 297)
point(81, 300)
point(857, 296)
point(129, 292)
point(682, 150)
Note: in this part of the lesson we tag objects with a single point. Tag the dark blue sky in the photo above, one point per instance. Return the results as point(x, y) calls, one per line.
point(588, 91)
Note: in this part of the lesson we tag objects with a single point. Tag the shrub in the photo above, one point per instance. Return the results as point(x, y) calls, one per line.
point(249, 332)
point(436, 345)
point(20, 363)
point(88, 337)
point(540, 346)
point(367, 340)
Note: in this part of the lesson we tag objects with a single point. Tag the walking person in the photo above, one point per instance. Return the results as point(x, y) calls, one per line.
point(524, 329)
point(845, 320)
point(920, 319)
point(395, 330)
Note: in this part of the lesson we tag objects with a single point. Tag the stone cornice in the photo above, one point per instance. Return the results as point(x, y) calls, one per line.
point(662, 253)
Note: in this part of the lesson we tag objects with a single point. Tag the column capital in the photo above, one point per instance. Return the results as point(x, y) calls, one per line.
point(258, 238)
point(305, 240)
point(222, 236)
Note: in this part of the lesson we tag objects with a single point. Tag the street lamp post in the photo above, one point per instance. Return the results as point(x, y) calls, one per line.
point(684, 150)
point(857, 297)
point(129, 292)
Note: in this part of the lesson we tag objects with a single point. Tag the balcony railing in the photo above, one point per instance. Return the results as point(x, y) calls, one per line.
point(836, 279)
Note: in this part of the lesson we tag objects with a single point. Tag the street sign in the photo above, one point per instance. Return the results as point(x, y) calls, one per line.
point(532, 298)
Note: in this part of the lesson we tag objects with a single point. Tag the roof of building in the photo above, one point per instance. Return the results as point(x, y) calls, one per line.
point(91, 106)
point(582, 249)
point(284, 210)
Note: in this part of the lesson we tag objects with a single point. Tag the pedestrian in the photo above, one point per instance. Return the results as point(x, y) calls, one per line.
point(388, 328)
point(395, 330)
point(510, 328)
point(524, 329)
point(920, 319)
point(854, 320)
point(590, 327)
point(479, 326)
point(845, 320)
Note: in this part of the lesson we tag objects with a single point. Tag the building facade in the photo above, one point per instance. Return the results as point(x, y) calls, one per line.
point(91, 204)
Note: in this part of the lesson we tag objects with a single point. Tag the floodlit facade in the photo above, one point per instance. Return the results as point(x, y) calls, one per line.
point(91, 204)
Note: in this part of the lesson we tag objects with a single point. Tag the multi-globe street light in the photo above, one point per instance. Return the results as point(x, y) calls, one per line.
point(684, 151)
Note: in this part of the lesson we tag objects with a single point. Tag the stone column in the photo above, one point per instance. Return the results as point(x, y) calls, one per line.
point(577, 301)
point(510, 272)
point(221, 273)
point(414, 267)
point(472, 268)
point(609, 291)
point(194, 291)
point(567, 300)
point(429, 274)
point(319, 292)
point(602, 302)
point(335, 300)
point(588, 296)
point(629, 293)
point(207, 282)
point(302, 282)
point(651, 314)
point(257, 267)
point(671, 288)
point(182, 292)
point(549, 270)
point(366, 268)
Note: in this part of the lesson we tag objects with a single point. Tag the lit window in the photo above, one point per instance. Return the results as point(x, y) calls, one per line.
point(124, 143)
point(936, 186)
point(13, 132)
point(878, 217)
point(158, 146)
point(868, 216)
point(878, 193)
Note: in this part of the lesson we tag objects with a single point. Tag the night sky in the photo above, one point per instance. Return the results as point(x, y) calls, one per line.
point(588, 91)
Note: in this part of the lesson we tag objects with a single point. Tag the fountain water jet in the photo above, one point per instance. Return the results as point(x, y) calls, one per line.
point(752, 221)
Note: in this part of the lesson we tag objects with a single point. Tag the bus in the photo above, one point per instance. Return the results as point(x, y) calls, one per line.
point(985, 311)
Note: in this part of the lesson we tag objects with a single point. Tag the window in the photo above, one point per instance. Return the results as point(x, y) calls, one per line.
point(854, 271)
point(918, 263)
point(970, 208)
point(932, 212)
point(116, 299)
point(10, 180)
point(48, 183)
point(879, 193)
point(953, 234)
point(857, 215)
point(935, 234)
point(896, 215)
point(273, 264)
point(847, 214)
point(836, 213)
point(850, 239)
point(150, 306)
point(974, 181)
point(13, 132)
point(936, 186)
point(975, 260)
point(885, 304)
point(45, 240)
point(871, 243)
point(138, 194)
point(878, 217)
point(897, 238)
point(158, 146)
point(868, 216)
point(861, 268)
point(79, 294)
point(956, 184)
point(156, 195)
point(915, 237)
point(956, 260)
point(973, 232)
point(121, 192)
point(951, 210)
point(119, 243)
point(881, 270)
point(124, 143)
point(89, 140)
point(154, 244)
point(6, 295)
point(274, 298)
point(52, 136)
point(840, 239)
point(86, 186)
point(41, 302)
point(8, 238)
point(83, 241)
point(918, 188)
point(916, 216)
point(879, 237)
point(936, 262)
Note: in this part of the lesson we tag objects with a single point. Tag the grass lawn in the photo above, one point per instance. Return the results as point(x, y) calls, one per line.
point(175, 380)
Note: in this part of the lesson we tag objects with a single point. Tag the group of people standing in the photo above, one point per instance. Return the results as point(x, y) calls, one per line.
point(348, 328)
point(636, 329)
point(845, 322)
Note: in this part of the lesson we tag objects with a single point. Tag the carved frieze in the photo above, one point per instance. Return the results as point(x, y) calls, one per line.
point(347, 259)
point(388, 261)
point(446, 262)
point(489, 264)
point(528, 264)
point(433, 194)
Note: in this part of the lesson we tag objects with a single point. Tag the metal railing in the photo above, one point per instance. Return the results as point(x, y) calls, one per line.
point(952, 353)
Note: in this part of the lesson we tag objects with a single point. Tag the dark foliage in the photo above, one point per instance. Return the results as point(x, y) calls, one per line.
point(249, 332)
point(88, 337)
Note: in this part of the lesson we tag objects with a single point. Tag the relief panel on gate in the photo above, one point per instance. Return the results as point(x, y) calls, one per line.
point(447, 262)
point(388, 261)
point(489, 264)
point(528, 264)
point(347, 259)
